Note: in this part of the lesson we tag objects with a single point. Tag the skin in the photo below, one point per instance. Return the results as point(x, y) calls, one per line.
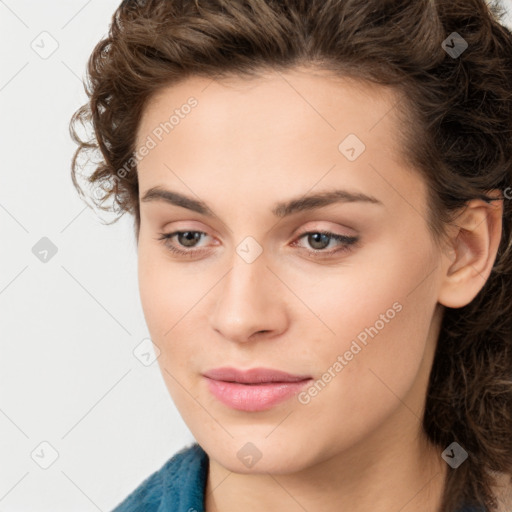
point(247, 145)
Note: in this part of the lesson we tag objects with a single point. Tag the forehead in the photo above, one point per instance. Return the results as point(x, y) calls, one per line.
point(283, 132)
point(270, 105)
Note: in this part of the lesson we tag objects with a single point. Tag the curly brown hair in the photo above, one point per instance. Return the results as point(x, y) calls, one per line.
point(456, 113)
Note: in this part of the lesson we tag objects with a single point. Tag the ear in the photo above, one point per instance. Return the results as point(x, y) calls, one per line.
point(473, 240)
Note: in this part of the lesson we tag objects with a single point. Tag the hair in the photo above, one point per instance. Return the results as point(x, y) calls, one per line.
point(455, 115)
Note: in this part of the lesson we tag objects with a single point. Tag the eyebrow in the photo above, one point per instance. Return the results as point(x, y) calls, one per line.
point(281, 209)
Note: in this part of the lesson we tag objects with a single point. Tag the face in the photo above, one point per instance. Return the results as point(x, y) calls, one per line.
point(338, 291)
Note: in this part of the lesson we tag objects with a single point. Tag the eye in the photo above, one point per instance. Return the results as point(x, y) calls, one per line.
point(318, 240)
point(187, 238)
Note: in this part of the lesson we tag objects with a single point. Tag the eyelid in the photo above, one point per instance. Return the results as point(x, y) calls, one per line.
point(316, 229)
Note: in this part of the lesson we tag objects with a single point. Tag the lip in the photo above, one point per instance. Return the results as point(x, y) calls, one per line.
point(252, 390)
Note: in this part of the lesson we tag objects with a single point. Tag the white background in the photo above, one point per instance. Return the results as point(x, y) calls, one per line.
point(68, 327)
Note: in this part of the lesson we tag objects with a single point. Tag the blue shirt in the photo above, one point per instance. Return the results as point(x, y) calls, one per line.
point(178, 486)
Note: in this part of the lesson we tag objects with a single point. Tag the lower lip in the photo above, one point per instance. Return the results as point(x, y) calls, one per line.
point(254, 397)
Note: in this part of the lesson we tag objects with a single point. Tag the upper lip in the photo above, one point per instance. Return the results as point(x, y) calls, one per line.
point(253, 375)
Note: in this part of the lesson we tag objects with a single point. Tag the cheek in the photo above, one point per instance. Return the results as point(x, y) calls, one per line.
point(164, 302)
point(386, 287)
point(167, 290)
point(381, 316)
point(172, 296)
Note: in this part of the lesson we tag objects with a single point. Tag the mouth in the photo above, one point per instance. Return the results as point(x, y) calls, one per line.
point(253, 390)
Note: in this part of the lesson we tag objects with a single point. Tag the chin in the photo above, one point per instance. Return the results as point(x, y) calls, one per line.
point(257, 455)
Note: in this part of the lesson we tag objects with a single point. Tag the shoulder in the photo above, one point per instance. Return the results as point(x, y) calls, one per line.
point(177, 485)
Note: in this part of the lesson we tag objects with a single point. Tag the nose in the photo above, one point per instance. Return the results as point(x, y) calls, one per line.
point(249, 303)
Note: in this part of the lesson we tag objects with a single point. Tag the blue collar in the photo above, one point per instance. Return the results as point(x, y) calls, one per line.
point(178, 486)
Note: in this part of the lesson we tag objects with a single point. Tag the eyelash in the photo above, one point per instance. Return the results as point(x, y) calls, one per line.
point(348, 243)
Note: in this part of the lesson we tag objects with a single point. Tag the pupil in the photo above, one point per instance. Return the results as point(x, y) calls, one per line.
point(186, 236)
point(315, 240)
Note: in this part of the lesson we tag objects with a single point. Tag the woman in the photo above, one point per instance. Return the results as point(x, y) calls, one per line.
point(321, 201)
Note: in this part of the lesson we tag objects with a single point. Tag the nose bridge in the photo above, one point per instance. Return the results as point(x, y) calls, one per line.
point(247, 300)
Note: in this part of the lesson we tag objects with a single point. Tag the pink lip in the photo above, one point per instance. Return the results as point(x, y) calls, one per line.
point(253, 390)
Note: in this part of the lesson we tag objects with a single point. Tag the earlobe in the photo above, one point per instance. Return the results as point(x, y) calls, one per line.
point(472, 249)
